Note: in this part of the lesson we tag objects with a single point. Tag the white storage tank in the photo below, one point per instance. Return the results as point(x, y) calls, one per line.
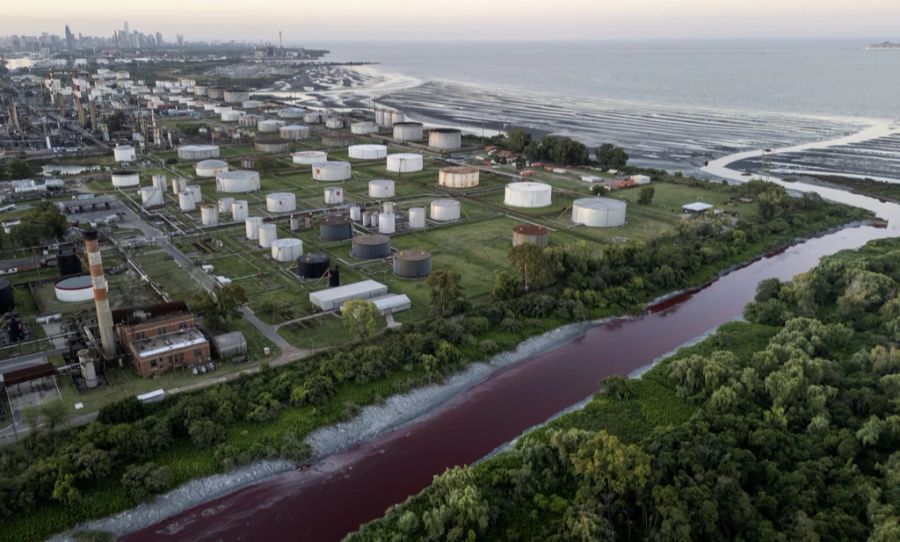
point(268, 233)
point(186, 201)
point(334, 195)
point(363, 128)
point(249, 121)
point(405, 162)
point(528, 194)
point(294, 131)
point(292, 113)
point(125, 179)
point(198, 152)
point(251, 104)
point(313, 117)
point(151, 196)
point(225, 204)
point(295, 222)
point(287, 250)
point(209, 214)
point(234, 96)
point(408, 131)
point(195, 192)
point(231, 116)
point(281, 202)
point(416, 218)
point(239, 210)
point(445, 139)
point(458, 177)
point(444, 210)
point(387, 222)
point(381, 188)
point(384, 117)
point(237, 181)
point(178, 185)
point(161, 182)
point(331, 171)
point(75, 289)
point(599, 212)
point(367, 152)
point(355, 213)
point(124, 153)
point(334, 123)
point(269, 125)
point(251, 226)
point(309, 158)
point(210, 168)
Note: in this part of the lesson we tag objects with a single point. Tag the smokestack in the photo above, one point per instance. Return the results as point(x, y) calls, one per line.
point(101, 293)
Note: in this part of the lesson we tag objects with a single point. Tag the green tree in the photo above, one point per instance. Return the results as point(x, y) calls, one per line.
point(530, 262)
point(221, 305)
point(361, 318)
point(54, 413)
point(645, 196)
point(610, 156)
point(141, 481)
point(41, 224)
point(518, 139)
point(21, 169)
point(446, 292)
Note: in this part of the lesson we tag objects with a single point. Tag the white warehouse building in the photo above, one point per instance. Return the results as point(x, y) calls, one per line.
point(333, 298)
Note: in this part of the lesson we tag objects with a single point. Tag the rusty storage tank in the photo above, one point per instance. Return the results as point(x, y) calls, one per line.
point(68, 263)
point(371, 246)
point(412, 264)
point(336, 228)
point(313, 265)
point(531, 234)
point(335, 138)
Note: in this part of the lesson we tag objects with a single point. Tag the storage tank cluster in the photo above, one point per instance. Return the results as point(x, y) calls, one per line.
point(381, 188)
point(336, 138)
point(125, 179)
point(528, 194)
point(281, 202)
point(124, 153)
point(309, 158)
point(599, 212)
point(237, 181)
point(294, 131)
point(459, 177)
point(386, 118)
point(331, 171)
point(286, 250)
point(240, 209)
point(151, 196)
point(313, 265)
point(530, 234)
point(198, 152)
point(445, 210)
point(367, 152)
point(336, 228)
point(209, 214)
point(445, 139)
point(272, 144)
point(405, 162)
point(365, 127)
point(334, 196)
point(412, 264)
point(371, 246)
point(269, 125)
point(408, 131)
point(210, 168)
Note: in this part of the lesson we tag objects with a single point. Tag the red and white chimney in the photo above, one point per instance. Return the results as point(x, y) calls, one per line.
point(101, 294)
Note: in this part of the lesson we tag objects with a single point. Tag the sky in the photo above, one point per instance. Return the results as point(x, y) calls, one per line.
point(311, 21)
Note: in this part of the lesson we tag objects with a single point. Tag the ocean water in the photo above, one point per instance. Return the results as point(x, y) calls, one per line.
point(825, 78)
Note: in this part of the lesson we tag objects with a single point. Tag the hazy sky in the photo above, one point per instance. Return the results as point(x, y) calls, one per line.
point(309, 21)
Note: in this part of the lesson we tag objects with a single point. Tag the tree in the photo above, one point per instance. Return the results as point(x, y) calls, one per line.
point(220, 305)
point(361, 317)
point(531, 263)
point(21, 169)
point(611, 157)
point(518, 139)
point(54, 413)
point(446, 292)
point(645, 196)
point(41, 224)
point(141, 481)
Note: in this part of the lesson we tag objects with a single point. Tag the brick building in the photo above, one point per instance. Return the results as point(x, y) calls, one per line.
point(161, 337)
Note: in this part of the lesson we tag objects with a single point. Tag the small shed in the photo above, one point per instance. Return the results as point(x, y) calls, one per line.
point(696, 208)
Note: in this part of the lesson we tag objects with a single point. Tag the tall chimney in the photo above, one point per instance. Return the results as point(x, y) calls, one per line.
point(101, 293)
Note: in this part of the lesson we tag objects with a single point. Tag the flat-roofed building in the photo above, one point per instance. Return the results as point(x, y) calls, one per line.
point(161, 338)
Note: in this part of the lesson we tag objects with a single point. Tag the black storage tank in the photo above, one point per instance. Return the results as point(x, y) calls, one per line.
point(371, 246)
point(412, 264)
point(336, 228)
point(313, 265)
point(68, 263)
point(7, 300)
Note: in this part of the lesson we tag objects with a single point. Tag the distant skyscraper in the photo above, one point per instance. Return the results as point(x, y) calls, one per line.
point(70, 39)
point(159, 40)
point(180, 40)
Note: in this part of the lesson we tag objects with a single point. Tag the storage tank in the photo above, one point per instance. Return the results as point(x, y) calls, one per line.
point(292, 113)
point(313, 265)
point(231, 116)
point(268, 233)
point(412, 264)
point(598, 212)
point(336, 228)
point(7, 297)
point(363, 128)
point(200, 90)
point(334, 195)
point(404, 162)
point(210, 168)
point(249, 121)
point(281, 202)
point(251, 104)
point(239, 210)
point(331, 171)
point(225, 204)
point(269, 125)
point(237, 181)
point(444, 210)
point(286, 250)
point(408, 131)
point(528, 194)
point(294, 131)
point(233, 95)
point(68, 263)
point(272, 144)
point(161, 182)
point(334, 138)
point(295, 222)
point(215, 93)
point(459, 177)
point(367, 152)
point(384, 117)
point(198, 152)
point(186, 201)
point(178, 185)
point(355, 213)
point(124, 153)
point(530, 234)
point(209, 214)
point(387, 222)
point(416, 218)
point(77, 289)
point(445, 139)
point(381, 188)
point(125, 179)
point(151, 196)
point(335, 123)
point(251, 227)
point(313, 117)
point(371, 246)
point(309, 157)
point(195, 192)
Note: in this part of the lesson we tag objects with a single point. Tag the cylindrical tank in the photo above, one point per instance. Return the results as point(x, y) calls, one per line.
point(334, 195)
point(384, 117)
point(75, 289)
point(225, 204)
point(292, 113)
point(412, 264)
point(331, 171)
point(209, 214)
point(231, 116)
point(444, 210)
point(200, 90)
point(294, 131)
point(404, 162)
point(371, 246)
point(528, 194)
point(178, 185)
point(186, 201)
point(458, 177)
point(295, 222)
point(272, 144)
point(88, 368)
point(363, 128)
point(309, 158)
point(215, 93)
point(336, 228)
point(124, 153)
point(198, 152)
point(381, 188)
point(210, 168)
point(281, 202)
point(313, 265)
point(68, 263)
point(239, 210)
point(530, 234)
point(334, 122)
point(408, 131)
point(269, 125)
point(161, 182)
point(196, 193)
point(233, 96)
point(151, 196)
point(387, 222)
point(7, 297)
point(286, 250)
point(367, 152)
point(251, 227)
point(251, 104)
point(125, 179)
point(268, 233)
point(599, 212)
point(313, 117)
point(416, 218)
point(336, 138)
point(249, 121)
point(237, 181)
point(355, 213)
point(445, 139)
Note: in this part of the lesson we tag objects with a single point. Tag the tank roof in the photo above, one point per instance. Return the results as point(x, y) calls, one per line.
point(332, 220)
point(599, 203)
point(413, 255)
point(459, 169)
point(446, 130)
point(78, 282)
point(530, 229)
point(313, 257)
point(371, 239)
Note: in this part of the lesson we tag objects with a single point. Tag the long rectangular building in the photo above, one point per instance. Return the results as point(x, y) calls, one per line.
point(333, 298)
